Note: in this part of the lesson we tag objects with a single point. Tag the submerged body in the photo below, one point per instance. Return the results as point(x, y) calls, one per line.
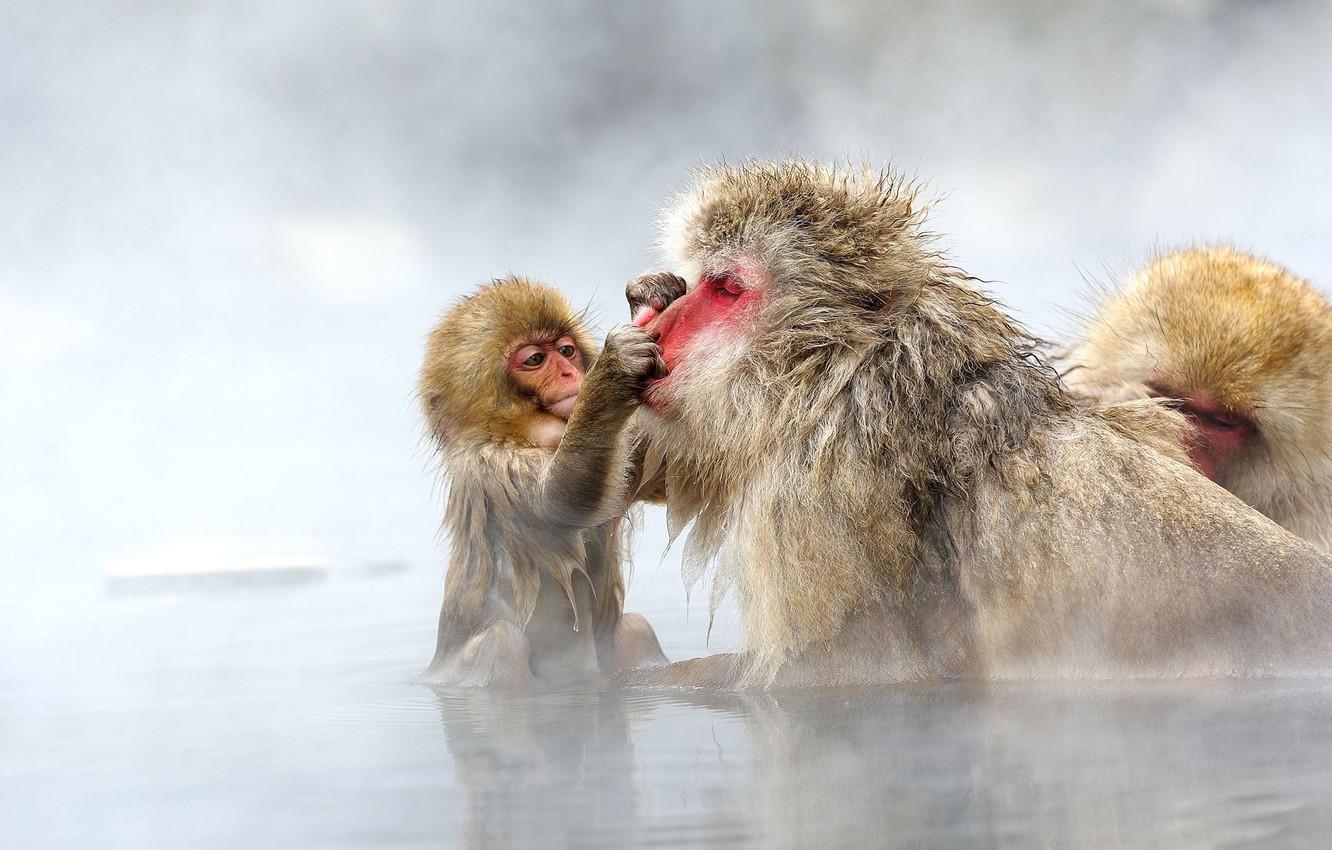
point(876, 461)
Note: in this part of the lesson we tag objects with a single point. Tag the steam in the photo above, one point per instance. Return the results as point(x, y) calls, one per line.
point(227, 231)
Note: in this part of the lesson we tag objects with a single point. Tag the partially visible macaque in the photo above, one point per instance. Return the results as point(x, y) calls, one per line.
point(1244, 349)
point(875, 459)
point(532, 436)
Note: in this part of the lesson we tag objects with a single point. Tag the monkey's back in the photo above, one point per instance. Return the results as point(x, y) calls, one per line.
point(1123, 561)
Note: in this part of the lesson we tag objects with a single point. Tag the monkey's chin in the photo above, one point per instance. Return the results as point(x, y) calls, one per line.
point(563, 408)
point(660, 406)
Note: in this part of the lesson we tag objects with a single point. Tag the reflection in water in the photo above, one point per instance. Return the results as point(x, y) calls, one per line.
point(287, 716)
point(1137, 764)
point(1067, 765)
point(551, 770)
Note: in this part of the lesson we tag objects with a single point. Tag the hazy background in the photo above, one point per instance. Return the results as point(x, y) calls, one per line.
point(226, 227)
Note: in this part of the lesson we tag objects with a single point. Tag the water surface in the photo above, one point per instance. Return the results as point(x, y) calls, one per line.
point(287, 716)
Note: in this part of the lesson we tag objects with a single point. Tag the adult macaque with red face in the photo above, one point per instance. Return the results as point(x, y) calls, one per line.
point(540, 464)
point(1244, 349)
point(875, 459)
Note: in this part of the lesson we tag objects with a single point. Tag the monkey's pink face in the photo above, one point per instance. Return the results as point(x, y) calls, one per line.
point(1220, 434)
point(719, 306)
point(551, 370)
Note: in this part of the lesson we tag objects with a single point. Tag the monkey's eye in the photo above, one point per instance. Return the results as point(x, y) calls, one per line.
point(726, 285)
point(567, 351)
point(534, 361)
point(1217, 421)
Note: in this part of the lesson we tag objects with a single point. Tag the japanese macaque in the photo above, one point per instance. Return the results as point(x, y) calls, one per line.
point(540, 467)
point(874, 458)
point(1244, 349)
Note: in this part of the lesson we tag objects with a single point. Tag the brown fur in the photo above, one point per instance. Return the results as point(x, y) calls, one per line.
point(536, 565)
point(897, 487)
point(1246, 332)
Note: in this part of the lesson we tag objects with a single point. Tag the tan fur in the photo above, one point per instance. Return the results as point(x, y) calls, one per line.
point(465, 392)
point(1246, 332)
point(896, 487)
point(532, 559)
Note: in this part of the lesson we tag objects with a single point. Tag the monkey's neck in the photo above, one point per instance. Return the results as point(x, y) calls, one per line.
point(546, 430)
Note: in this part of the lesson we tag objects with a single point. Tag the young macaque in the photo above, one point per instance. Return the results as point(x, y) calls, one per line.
point(532, 435)
point(1244, 349)
point(876, 460)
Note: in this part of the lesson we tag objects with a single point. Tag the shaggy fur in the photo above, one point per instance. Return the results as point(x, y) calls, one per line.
point(522, 522)
point(896, 486)
point(1249, 334)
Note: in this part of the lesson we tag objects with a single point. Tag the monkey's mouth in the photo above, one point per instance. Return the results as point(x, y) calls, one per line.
point(563, 407)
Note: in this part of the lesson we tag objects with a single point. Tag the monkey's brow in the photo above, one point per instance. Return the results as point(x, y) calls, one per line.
point(542, 337)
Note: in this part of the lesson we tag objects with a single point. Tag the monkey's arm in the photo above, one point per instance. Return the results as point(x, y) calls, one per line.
point(588, 478)
point(723, 670)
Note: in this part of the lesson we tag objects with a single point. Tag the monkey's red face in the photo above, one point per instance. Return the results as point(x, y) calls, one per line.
point(549, 369)
point(1220, 434)
point(720, 305)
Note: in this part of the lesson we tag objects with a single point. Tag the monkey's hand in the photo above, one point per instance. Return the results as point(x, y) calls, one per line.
point(587, 481)
point(628, 361)
point(651, 293)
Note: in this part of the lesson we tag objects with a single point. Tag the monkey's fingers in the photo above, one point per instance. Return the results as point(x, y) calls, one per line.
point(631, 351)
point(649, 294)
point(645, 362)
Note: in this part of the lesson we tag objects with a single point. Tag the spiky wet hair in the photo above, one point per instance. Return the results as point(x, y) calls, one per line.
point(807, 221)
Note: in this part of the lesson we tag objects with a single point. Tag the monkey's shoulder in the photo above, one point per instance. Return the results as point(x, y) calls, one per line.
point(496, 462)
point(1156, 493)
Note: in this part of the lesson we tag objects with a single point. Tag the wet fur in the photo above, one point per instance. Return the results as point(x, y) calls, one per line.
point(897, 487)
point(535, 568)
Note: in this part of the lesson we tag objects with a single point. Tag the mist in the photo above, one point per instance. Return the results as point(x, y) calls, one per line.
point(228, 227)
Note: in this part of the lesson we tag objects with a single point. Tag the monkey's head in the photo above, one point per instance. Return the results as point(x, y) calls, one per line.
point(1239, 344)
point(789, 266)
point(505, 363)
